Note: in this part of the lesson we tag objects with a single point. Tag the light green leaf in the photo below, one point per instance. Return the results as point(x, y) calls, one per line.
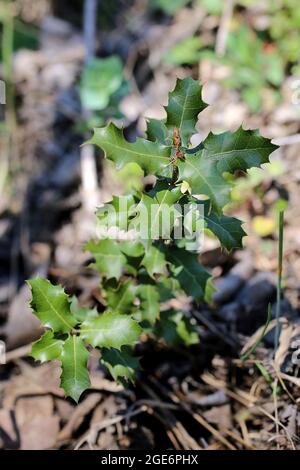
point(121, 364)
point(110, 330)
point(184, 52)
point(121, 300)
point(74, 377)
point(150, 307)
point(185, 103)
point(47, 348)
point(169, 7)
point(101, 78)
point(152, 157)
point(132, 248)
point(51, 305)
point(81, 313)
point(157, 212)
point(154, 261)
point(109, 258)
point(116, 212)
point(186, 268)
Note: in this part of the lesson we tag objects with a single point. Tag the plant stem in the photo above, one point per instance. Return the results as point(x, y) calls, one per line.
point(279, 278)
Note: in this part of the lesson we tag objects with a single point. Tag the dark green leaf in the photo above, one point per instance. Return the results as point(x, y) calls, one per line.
point(185, 103)
point(157, 131)
point(74, 376)
point(191, 276)
point(121, 364)
point(239, 150)
point(121, 299)
point(152, 157)
point(51, 305)
point(175, 328)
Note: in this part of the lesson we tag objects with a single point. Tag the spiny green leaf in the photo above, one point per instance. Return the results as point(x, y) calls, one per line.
point(81, 313)
point(51, 305)
point(47, 348)
point(152, 157)
point(157, 131)
point(132, 248)
point(191, 276)
point(109, 258)
point(175, 328)
point(110, 330)
point(185, 103)
point(149, 297)
point(227, 229)
point(154, 261)
point(121, 299)
point(203, 177)
point(239, 150)
point(157, 213)
point(116, 212)
point(121, 364)
point(74, 377)
point(224, 152)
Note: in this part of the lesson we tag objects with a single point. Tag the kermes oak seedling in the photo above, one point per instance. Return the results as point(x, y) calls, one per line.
point(138, 275)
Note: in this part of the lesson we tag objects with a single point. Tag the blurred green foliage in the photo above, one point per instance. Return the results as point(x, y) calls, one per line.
point(100, 80)
point(102, 86)
point(259, 55)
point(169, 6)
point(285, 27)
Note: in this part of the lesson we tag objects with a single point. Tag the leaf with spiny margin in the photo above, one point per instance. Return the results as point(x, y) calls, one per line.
point(150, 306)
point(121, 300)
point(158, 132)
point(157, 212)
point(227, 229)
point(110, 330)
point(186, 268)
point(81, 313)
point(152, 157)
point(154, 261)
point(221, 153)
point(185, 103)
point(175, 328)
point(166, 287)
point(116, 212)
point(47, 348)
point(239, 150)
point(132, 248)
point(109, 259)
point(51, 305)
point(74, 377)
point(122, 365)
point(203, 177)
